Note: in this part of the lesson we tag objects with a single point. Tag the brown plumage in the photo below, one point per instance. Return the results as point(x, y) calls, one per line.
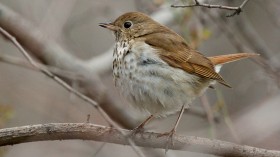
point(174, 50)
point(157, 70)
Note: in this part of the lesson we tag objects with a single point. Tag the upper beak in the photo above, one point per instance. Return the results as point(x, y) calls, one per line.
point(109, 26)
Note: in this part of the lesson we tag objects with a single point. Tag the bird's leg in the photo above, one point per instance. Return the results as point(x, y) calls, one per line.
point(171, 133)
point(140, 127)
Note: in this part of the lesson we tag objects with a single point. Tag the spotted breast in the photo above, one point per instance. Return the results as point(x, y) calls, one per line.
point(148, 82)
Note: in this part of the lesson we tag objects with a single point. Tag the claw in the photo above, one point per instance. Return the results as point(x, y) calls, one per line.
point(140, 128)
point(171, 133)
point(169, 140)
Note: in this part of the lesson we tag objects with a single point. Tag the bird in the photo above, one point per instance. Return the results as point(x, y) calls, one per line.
point(157, 71)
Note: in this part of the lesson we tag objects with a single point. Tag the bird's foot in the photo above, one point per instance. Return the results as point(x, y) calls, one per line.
point(169, 141)
point(140, 128)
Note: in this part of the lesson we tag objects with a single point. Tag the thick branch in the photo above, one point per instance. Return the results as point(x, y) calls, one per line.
point(86, 131)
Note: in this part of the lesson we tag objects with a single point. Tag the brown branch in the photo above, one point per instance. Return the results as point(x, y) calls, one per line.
point(237, 10)
point(86, 131)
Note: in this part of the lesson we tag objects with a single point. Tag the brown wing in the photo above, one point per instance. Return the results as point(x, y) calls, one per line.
point(174, 51)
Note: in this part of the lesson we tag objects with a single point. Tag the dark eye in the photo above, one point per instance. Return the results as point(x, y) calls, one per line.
point(127, 24)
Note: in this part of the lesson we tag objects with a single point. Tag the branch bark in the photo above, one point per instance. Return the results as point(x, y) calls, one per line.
point(237, 10)
point(86, 131)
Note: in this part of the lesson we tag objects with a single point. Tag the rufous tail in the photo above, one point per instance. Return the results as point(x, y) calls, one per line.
point(222, 59)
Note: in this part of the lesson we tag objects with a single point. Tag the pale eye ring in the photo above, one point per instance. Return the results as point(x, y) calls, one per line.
point(127, 24)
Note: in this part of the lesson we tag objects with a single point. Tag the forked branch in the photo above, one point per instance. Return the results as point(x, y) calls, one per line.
point(237, 10)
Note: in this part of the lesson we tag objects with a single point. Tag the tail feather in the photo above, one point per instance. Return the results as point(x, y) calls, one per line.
point(222, 59)
point(218, 61)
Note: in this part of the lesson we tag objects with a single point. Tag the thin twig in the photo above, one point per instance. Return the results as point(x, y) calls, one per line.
point(237, 10)
point(99, 149)
point(86, 131)
point(69, 88)
point(209, 113)
point(24, 64)
point(224, 110)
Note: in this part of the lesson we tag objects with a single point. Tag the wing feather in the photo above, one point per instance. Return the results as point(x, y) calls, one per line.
point(173, 49)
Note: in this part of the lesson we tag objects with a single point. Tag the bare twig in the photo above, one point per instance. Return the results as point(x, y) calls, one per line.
point(237, 10)
point(86, 131)
point(69, 88)
point(99, 149)
point(224, 110)
point(24, 64)
point(209, 113)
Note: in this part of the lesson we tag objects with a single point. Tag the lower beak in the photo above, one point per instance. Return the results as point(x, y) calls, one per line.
point(109, 26)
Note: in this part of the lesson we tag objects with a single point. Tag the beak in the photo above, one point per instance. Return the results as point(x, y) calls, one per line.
point(109, 26)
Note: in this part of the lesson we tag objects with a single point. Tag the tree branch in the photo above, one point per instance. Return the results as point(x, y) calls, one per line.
point(24, 64)
point(86, 131)
point(237, 10)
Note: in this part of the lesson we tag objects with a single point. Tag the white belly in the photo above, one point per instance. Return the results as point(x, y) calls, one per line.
point(153, 86)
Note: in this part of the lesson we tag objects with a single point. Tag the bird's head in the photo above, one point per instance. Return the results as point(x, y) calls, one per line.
point(132, 25)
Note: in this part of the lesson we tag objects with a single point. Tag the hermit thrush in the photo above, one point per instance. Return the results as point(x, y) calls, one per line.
point(155, 68)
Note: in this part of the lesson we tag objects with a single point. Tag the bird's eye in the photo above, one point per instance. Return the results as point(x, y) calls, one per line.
point(127, 24)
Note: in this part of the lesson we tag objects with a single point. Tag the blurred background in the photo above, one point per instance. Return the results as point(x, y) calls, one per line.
point(246, 114)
